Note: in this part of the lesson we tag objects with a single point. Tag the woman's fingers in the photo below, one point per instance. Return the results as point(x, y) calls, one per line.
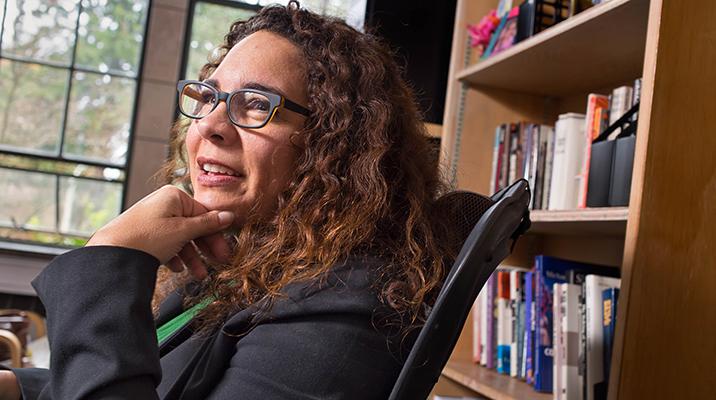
point(175, 265)
point(215, 247)
point(190, 256)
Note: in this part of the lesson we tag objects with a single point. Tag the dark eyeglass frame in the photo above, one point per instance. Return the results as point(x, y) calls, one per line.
point(276, 101)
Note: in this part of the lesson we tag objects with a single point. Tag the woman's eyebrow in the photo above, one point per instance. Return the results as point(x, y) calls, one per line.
point(212, 82)
point(249, 85)
point(263, 87)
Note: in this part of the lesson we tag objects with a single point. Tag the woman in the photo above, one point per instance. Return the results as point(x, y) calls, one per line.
point(305, 143)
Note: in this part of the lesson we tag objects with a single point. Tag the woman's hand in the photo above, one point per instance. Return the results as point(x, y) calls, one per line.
point(170, 225)
point(9, 389)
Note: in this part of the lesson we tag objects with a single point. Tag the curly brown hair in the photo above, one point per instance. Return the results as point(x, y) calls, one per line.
point(364, 183)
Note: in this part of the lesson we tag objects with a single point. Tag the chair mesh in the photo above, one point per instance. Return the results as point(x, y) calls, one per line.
point(464, 209)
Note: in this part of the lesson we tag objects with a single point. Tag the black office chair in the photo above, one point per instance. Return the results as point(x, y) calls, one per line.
point(494, 224)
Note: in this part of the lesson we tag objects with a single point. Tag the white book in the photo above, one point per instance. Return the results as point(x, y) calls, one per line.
point(557, 341)
point(515, 300)
point(567, 161)
point(484, 309)
point(504, 330)
point(571, 384)
point(593, 287)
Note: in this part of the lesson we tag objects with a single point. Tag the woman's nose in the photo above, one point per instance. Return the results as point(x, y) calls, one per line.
point(217, 127)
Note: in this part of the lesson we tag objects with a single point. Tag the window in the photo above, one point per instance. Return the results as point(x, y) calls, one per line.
point(211, 19)
point(68, 84)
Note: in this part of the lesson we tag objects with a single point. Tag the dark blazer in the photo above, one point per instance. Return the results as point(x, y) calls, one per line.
point(317, 343)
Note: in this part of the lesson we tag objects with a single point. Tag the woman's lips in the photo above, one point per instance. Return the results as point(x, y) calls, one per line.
point(213, 179)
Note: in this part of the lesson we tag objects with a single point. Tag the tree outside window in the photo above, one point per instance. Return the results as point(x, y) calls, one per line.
point(68, 82)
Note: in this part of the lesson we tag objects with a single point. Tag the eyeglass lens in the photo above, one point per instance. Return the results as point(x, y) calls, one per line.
point(247, 108)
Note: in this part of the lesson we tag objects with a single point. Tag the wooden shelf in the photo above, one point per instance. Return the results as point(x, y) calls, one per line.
point(489, 383)
point(598, 48)
point(607, 221)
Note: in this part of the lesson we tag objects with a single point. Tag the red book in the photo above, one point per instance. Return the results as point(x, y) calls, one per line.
point(597, 105)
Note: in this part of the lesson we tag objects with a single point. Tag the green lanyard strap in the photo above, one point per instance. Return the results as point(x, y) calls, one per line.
point(176, 323)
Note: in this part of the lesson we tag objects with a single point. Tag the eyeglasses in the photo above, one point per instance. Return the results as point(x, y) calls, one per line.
point(247, 108)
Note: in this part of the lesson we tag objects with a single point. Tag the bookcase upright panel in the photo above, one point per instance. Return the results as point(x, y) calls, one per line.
point(666, 327)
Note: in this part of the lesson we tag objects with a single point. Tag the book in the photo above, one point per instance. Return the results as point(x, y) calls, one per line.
point(506, 37)
point(495, 177)
point(493, 39)
point(548, 160)
point(567, 161)
point(571, 384)
point(517, 310)
point(592, 128)
point(476, 328)
point(513, 158)
point(636, 97)
point(504, 155)
point(525, 21)
point(504, 322)
point(548, 271)
point(530, 324)
point(558, 345)
point(533, 161)
point(619, 104)
point(504, 7)
point(610, 298)
point(596, 386)
point(491, 334)
point(484, 310)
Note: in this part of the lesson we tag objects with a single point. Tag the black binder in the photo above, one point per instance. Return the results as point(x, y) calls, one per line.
point(611, 164)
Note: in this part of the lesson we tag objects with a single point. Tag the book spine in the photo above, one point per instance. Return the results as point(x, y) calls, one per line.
point(495, 162)
point(530, 328)
point(515, 331)
point(568, 153)
point(610, 297)
point(476, 346)
point(534, 163)
point(505, 155)
point(571, 384)
point(591, 130)
point(594, 285)
point(504, 322)
point(582, 367)
point(491, 320)
point(484, 311)
point(513, 154)
point(549, 161)
point(558, 340)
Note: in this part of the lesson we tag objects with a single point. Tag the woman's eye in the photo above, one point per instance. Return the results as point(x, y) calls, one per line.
point(258, 105)
point(207, 97)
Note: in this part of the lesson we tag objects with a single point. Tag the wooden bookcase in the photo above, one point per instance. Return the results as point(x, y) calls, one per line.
point(665, 241)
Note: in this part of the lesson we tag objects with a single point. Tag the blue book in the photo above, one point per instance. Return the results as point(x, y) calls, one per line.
point(530, 324)
point(610, 297)
point(548, 271)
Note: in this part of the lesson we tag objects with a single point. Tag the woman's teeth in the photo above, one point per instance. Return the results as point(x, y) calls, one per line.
point(218, 169)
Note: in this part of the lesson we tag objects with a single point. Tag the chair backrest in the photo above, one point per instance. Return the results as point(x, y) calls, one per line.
point(490, 241)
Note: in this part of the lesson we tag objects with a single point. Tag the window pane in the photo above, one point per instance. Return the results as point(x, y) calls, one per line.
point(99, 116)
point(40, 30)
point(61, 167)
point(28, 200)
point(210, 24)
point(32, 101)
point(111, 35)
point(87, 205)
